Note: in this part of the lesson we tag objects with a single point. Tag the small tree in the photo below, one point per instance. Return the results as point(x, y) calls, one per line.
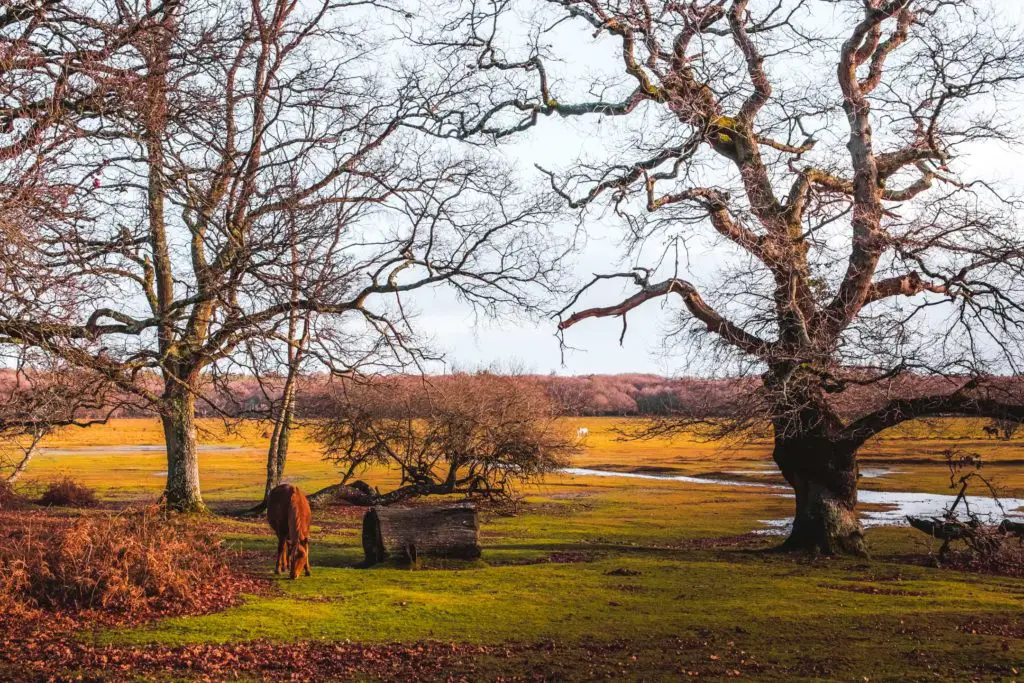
point(1006, 428)
point(477, 435)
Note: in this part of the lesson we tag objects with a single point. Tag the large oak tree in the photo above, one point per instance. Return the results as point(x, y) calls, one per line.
point(818, 149)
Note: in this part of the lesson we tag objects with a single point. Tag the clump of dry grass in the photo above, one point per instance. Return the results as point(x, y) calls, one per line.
point(991, 552)
point(66, 492)
point(131, 564)
point(9, 498)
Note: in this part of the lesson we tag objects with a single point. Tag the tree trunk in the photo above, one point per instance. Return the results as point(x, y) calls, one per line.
point(357, 493)
point(26, 455)
point(823, 475)
point(179, 422)
point(277, 453)
point(403, 534)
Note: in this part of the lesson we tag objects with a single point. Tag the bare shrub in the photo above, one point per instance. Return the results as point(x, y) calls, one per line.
point(995, 547)
point(471, 434)
point(66, 492)
point(9, 498)
point(132, 564)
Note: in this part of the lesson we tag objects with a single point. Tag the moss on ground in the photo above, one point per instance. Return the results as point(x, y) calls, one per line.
point(618, 578)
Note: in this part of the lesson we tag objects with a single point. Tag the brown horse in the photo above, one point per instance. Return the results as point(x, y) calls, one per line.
point(289, 516)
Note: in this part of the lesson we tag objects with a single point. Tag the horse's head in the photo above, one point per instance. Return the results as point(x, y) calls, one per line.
point(299, 559)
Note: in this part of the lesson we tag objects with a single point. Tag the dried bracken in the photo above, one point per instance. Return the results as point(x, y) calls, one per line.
point(131, 565)
point(66, 492)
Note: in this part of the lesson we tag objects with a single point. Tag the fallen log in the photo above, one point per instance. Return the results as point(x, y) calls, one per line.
point(946, 530)
point(941, 529)
point(405, 533)
point(357, 493)
point(1011, 527)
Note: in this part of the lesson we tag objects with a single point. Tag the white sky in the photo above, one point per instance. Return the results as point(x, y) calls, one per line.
point(532, 344)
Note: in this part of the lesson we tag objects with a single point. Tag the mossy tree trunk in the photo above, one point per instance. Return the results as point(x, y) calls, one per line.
point(277, 451)
point(823, 474)
point(182, 493)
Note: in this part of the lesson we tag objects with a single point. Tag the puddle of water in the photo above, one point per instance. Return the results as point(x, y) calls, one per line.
point(147, 448)
point(865, 472)
point(876, 472)
point(900, 504)
point(583, 471)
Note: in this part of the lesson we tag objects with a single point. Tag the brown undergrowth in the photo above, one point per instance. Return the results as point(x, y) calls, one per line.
point(9, 498)
point(106, 568)
point(66, 492)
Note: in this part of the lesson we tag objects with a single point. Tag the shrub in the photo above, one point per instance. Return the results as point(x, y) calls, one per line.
point(476, 435)
point(9, 498)
point(67, 492)
point(130, 564)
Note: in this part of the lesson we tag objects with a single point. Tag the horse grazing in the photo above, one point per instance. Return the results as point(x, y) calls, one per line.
point(289, 516)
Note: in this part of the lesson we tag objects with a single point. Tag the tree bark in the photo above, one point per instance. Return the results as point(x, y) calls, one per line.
point(823, 474)
point(26, 455)
point(357, 493)
point(403, 534)
point(179, 421)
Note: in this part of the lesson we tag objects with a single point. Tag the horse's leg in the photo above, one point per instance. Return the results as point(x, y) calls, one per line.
point(279, 567)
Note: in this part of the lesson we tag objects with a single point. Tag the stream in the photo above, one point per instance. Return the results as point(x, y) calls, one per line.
point(898, 504)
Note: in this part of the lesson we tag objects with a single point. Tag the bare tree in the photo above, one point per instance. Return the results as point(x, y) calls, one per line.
point(38, 397)
point(476, 435)
point(1006, 428)
point(55, 86)
point(818, 148)
point(244, 138)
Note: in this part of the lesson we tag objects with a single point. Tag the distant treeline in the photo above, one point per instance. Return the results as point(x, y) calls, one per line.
point(589, 395)
point(586, 395)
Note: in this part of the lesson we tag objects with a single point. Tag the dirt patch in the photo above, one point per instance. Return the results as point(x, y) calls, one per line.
point(742, 541)
point(622, 571)
point(558, 509)
point(870, 590)
point(573, 556)
point(574, 495)
point(1008, 627)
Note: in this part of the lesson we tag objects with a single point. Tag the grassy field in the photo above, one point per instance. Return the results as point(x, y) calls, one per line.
point(608, 577)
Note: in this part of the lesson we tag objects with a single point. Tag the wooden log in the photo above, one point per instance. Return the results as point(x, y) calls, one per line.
point(954, 531)
point(1011, 527)
point(356, 493)
point(940, 529)
point(405, 533)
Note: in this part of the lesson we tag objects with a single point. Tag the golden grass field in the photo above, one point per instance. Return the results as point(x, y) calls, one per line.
point(233, 461)
point(549, 599)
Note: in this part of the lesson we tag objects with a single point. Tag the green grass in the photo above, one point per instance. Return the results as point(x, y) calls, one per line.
point(545, 588)
point(674, 591)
